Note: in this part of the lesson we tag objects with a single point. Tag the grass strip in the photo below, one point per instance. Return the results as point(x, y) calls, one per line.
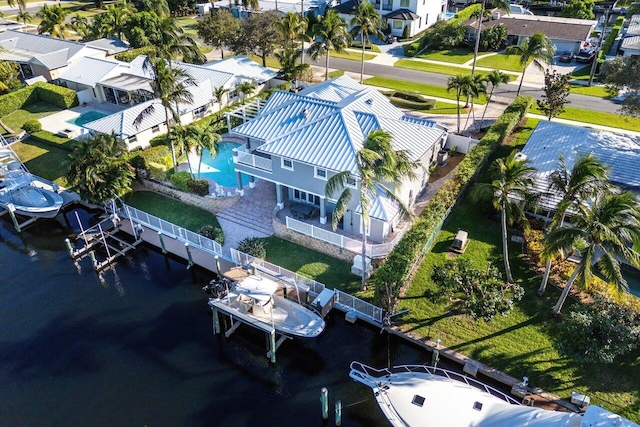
point(423, 88)
point(596, 118)
point(455, 56)
point(501, 61)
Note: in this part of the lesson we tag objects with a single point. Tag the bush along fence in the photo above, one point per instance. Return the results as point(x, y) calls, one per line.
point(397, 269)
point(40, 92)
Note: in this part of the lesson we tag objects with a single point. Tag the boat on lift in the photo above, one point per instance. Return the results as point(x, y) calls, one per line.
point(22, 192)
point(417, 395)
point(254, 299)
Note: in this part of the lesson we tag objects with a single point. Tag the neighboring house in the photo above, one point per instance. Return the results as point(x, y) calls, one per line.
point(39, 55)
point(127, 85)
point(299, 140)
point(6, 25)
point(630, 45)
point(112, 45)
point(620, 152)
point(418, 15)
point(565, 33)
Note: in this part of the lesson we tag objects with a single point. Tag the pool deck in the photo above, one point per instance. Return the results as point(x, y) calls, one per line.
point(58, 121)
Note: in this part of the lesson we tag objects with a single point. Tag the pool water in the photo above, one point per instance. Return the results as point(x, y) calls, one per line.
point(220, 168)
point(87, 117)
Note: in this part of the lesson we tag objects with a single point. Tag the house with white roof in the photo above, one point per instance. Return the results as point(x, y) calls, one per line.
point(620, 152)
point(418, 15)
point(39, 55)
point(630, 45)
point(299, 140)
point(243, 70)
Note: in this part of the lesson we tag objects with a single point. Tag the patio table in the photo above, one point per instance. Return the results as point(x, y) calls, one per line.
point(301, 210)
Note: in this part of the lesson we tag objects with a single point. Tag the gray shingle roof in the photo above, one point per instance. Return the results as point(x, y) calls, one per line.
point(111, 45)
point(632, 42)
point(620, 152)
point(554, 28)
point(403, 14)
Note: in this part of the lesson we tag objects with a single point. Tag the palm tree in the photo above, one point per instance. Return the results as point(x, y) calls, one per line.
point(500, 4)
point(508, 191)
point(538, 48)
point(603, 233)
point(170, 87)
point(52, 21)
point(378, 166)
point(331, 34)
point(587, 179)
point(22, 5)
point(288, 58)
point(474, 90)
point(98, 169)
point(292, 28)
point(24, 17)
point(209, 139)
point(496, 78)
point(245, 88)
point(184, 137)
point(463, 84)
point(114, 21)
point(219, 94)
point(173, 42)
point(365, 22)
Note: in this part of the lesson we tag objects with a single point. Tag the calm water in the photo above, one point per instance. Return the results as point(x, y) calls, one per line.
point(139, 350)
point(87, 117)
point(220, 168)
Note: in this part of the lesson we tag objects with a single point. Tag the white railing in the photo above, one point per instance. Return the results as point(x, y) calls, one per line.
point(352, 245)
point(343, 300)
point(242, 258)
point(257, 162)
point(171, 230)
point(349, 302)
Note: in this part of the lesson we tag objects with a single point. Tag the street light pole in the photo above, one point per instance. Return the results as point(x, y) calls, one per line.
point(600, 43)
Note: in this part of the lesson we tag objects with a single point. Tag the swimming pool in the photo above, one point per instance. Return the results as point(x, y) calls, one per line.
point(220, 168)
point(87, 117)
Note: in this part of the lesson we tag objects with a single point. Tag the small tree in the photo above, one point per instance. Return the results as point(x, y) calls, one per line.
point(579, 9)
point(556, 93)
point(245, 88)
point(406, 32)
point(253, 246)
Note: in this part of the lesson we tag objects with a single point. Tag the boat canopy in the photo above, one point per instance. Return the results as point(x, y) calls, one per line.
point(257, 287)
point(596, 416)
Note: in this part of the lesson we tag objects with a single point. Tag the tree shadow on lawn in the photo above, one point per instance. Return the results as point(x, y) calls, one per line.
point(48, 164)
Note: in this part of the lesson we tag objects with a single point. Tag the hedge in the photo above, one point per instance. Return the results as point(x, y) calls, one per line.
point(132, 54)
point(39, 92)
point(413, 101)
point(608, 43)
point(400, 263)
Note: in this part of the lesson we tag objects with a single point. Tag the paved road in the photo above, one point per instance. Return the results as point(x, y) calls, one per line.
point(507, 91)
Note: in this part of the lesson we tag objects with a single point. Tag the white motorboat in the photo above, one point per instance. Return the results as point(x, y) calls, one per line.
point(254, 300)
point(416, 395)
point(18, 188)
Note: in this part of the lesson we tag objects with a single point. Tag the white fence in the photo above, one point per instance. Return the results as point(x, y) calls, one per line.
point(171, 230)
point(352, 245)
point(254, 161)
point(343, 300)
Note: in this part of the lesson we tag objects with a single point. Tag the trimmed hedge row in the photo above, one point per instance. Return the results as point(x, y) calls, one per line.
point(413, 101)
point(608, 43)
point(397, 267)
point(132, 54)
point(39, 92)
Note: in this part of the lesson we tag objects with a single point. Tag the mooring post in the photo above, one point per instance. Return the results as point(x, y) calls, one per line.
point(12, 210)
point(164, 250)
point(324, 398)
point(217, 258)
point(69, 247)
point(272, 344)
point(436, 354)
point(186, 246)
point(338, 413)
point(216, 320)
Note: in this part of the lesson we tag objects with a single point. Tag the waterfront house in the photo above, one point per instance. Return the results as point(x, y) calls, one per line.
point(39, 55)
point(299, 140)
point(618, 151)
point(418, 15)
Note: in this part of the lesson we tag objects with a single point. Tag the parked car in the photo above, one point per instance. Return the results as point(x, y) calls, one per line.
point(585, 56)
point(566, 56)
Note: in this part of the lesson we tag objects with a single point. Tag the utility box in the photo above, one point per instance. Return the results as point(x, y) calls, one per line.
point(324, 301)
point(470, 368)
point(581, 400)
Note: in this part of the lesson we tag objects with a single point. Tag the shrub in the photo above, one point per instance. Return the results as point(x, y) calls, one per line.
point(160, 156)
point(413, 101)
point(132, 54)
point(31, 126)
point(180, 180)
point(397, 267)
point(253, 246)
point(481, 293)
point(600, 332)
point(44, 92)
point(199, 187)
point(406, 32)
point(213, 233)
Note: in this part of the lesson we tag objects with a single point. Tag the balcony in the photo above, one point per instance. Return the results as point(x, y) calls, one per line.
point(242, 156)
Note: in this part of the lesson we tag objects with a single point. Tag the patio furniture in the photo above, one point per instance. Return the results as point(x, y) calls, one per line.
point(302, 210)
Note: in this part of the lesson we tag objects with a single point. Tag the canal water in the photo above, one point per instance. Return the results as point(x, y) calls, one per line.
point(138, 349)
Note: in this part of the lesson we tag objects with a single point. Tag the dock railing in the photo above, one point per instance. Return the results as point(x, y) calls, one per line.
point(349, 302)
point(171, 230)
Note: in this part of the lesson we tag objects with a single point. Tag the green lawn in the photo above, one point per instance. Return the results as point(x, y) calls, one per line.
point(336, 73)
point(451, 70)
point(598, 91)
point(171, 210)
point(188, 24)
point(524, 342)
point(456, 56)
point(582, 73)
point(501, 62)
point(271, 62)
point(596, 118)
point(43, 160)
point(16, 119)
point(370, 48)
point(446, 108)
point(423, 88)
point(355, 56)
point(315, 265)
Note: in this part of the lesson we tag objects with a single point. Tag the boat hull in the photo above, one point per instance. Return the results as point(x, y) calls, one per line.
point(32, 201)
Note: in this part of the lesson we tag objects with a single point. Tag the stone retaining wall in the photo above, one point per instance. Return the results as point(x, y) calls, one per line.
point(280, 230)
point(210, 204)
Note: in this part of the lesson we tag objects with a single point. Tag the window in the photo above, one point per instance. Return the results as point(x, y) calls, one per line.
point(200, 111)
point(287, 164)
point(404, 3)
point(321, 173)
point(351, 182)
point(418, 400)
point(232, 94)
point(397, 24)
point(133, 139)
point(155, 129)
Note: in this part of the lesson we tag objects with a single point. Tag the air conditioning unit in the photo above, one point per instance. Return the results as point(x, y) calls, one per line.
point(495, 15)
